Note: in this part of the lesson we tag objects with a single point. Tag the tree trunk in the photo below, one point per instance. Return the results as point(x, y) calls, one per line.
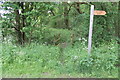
point(23, 22)
point(20, 23)
point(118, 29)
point(18, 26)
point(66, 17)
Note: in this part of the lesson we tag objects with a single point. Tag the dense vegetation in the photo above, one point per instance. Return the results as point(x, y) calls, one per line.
point(50, 40)
point(45, 61)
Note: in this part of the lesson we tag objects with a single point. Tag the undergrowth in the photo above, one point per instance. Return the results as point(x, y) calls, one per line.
point(37, 60)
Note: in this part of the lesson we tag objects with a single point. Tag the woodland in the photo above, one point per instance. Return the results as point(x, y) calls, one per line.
point(50, 40)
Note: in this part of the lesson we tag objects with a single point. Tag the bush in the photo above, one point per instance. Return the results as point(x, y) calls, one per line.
point(48, 35)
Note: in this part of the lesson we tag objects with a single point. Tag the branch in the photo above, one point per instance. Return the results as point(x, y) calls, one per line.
point(82, 2)
point(52, 12)
point(78, 7)
point(70, 7)
point(16, 29)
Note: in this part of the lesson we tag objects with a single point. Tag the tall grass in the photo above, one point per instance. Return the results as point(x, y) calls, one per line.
point(37, 60)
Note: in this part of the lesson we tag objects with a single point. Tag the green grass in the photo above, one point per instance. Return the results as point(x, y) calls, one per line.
point(37, 60)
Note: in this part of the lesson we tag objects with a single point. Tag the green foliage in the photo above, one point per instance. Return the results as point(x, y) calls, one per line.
point(47, 35)
point(51, 32)
point(42, 15)
point(104, 26)
point(44, 23)
point(42, 59)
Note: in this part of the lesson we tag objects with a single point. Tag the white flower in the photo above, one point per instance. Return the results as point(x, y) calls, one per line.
point(79, 39)
point(49, 11)
point(85, 40)
point(20, 11)
point(75, 57)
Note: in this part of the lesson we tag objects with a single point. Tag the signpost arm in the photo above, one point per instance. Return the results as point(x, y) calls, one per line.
point(90, 29)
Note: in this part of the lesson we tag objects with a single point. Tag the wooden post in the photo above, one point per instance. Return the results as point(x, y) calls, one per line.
point(90, 29)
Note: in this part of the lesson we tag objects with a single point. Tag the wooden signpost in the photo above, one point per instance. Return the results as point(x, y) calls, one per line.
point(92, 13)
point(99, 12)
